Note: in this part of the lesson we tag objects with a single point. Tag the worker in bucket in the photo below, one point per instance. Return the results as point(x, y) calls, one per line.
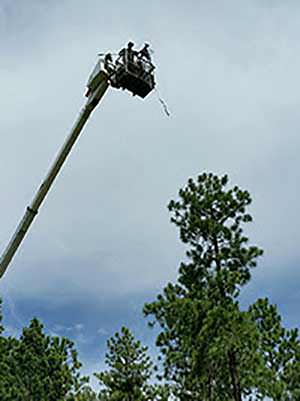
point(108, 63)
point(128, 53)
point(145, 53)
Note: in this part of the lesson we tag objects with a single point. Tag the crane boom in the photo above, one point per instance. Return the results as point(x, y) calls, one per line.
point(33, 208)
point(131, 70)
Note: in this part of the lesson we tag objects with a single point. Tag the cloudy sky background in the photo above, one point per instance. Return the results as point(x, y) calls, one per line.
point(102, 244)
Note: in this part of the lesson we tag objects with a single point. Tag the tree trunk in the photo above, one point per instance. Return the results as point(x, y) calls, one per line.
point(237, 394)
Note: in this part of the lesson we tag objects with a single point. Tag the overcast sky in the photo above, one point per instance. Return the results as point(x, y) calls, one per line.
point(102, 244)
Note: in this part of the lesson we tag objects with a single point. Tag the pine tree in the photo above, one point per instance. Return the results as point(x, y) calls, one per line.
point(207, 343)
point(130, 369)
point(39, 367)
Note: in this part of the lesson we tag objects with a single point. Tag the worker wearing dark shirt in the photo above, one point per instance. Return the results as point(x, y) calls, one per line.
point(145, 52)
point(128, 53)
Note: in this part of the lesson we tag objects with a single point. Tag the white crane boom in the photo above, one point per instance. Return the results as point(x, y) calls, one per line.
point(33, 208)
point(131, 71)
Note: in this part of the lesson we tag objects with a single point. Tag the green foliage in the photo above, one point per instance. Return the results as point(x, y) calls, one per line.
point(203, 344)
point(207, 344)
point(39, 367)
point(280, 349)
point(130, 369)
point(7, 386)
point(210, 219)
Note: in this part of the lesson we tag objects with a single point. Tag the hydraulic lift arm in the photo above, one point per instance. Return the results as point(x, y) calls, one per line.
point(132, 71)
point(32, 210)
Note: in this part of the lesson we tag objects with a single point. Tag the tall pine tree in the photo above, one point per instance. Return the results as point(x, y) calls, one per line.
point(208, 345)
